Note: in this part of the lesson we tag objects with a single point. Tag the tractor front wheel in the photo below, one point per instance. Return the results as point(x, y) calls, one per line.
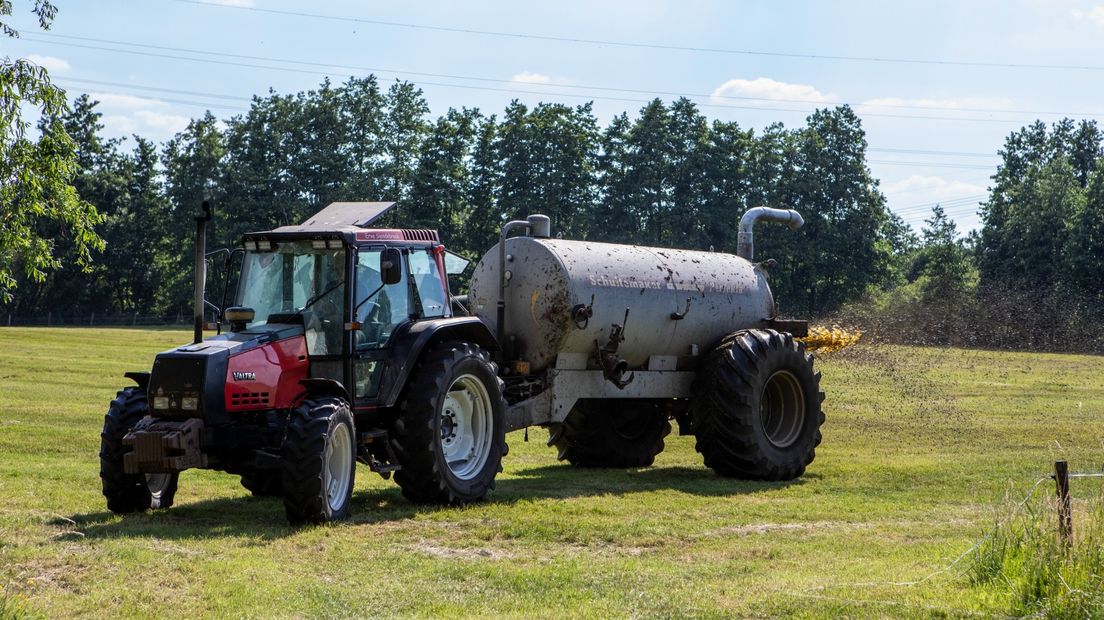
point(129, 492)
point(450, 436)
point(319, 461)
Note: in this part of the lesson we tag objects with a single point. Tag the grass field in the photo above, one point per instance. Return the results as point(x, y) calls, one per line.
point(921, 447)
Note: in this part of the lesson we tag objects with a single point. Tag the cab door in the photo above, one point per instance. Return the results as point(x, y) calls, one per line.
point(379, 311)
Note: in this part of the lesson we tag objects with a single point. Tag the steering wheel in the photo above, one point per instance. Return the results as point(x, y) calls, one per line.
point(372, 325)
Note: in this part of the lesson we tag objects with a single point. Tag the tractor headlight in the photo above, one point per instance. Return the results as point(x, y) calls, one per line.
point(318, 244)
point(160, 402)
point(189, 403)
point(251, 246)
point(334, 244)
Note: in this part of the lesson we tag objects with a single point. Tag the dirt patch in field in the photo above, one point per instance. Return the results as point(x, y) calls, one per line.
point(460, 553)
point(768, 528)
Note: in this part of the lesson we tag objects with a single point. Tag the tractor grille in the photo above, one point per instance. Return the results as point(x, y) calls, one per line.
point(249, 399)
point(420, 235)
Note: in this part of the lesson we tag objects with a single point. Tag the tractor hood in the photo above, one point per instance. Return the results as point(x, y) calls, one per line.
point(189, 381)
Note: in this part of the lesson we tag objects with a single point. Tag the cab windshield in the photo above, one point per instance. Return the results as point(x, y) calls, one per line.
point(294, 278)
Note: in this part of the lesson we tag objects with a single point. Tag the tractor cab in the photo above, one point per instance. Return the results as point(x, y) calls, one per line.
point(352, 289)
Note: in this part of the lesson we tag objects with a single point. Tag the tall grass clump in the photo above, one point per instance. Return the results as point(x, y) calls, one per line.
point(1024, 557)
point(13, 609)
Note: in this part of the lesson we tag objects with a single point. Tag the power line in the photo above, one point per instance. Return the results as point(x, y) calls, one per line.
point(943, 153)
point(922, 164)
point(957, 211)
point(327, 65)
point(519, 91)
point(631, 44)
point(961, 199)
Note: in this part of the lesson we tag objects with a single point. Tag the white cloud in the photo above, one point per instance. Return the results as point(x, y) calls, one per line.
point(527, 77)
point(146, 123)
point(937, 188)
point(128, 102)
point(949, 103)
point(1094, 15)
point(914, 196)
point(125, 114)
point(51, 63)
point(766, 88)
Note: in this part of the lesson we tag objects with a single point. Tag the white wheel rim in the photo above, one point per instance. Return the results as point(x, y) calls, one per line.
point(782, 409)
point(466, 427)
point(337, 471)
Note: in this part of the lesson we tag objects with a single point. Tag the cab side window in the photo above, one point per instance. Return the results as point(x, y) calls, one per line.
point(427, 279)
point(379, 309)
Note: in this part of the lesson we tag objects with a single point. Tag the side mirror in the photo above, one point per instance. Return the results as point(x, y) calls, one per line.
point(391, 266)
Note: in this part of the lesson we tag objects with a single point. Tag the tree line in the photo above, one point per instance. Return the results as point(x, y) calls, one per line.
point(667, 177)
point(1032, 276)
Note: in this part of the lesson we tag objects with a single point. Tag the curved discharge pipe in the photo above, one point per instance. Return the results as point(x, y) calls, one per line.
point(745, 242)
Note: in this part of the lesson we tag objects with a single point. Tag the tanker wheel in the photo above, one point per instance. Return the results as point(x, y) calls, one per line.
point(450, 435)
point(129, 492)
point(263, 483)
point(757, 411)
point(319, 461)
point(603, 434)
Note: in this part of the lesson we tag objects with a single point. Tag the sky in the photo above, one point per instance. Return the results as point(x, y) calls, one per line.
point(938, 84)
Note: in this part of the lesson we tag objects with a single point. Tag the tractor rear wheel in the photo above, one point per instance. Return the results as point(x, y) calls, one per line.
point(756, 413)
point(319, 461)
point(617, 434)
point(129, 492)
point(450, 436)
point(263, 483)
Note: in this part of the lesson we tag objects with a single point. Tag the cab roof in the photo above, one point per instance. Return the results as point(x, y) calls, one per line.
point(340, 216)
point(351, 221)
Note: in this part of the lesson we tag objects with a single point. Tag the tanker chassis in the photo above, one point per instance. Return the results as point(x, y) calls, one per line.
point(345, 344)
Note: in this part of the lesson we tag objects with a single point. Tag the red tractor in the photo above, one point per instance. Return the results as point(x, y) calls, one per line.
point(344, 345)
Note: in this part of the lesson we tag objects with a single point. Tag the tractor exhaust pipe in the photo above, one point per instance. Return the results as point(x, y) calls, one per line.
point(200, 268)
point(745, 242)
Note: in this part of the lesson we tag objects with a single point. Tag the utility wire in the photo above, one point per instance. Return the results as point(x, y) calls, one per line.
point(931, 164)
point(632, 44)
point(326, 65)
point(519, 91)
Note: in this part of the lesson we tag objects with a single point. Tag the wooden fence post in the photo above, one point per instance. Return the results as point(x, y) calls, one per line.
point(1065, 516)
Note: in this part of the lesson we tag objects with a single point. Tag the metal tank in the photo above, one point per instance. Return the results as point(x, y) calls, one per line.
point(566, 301)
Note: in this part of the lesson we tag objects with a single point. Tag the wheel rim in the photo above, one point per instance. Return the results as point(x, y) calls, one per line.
point(337, 473)
point(157, 483)
point(466, 427)
point(782, 409)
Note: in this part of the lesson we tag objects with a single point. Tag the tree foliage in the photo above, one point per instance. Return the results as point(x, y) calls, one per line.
point(42, 217)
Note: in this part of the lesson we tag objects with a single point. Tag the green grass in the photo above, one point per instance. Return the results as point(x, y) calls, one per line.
point(920, 447)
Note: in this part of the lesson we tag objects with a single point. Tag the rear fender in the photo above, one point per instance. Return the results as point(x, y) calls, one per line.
point(423, 335)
